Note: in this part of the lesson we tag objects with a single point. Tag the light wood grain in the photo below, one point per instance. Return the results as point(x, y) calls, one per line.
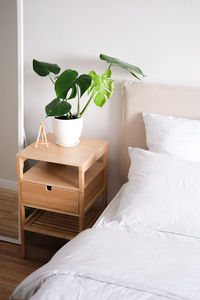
point(44, 140)
point(84, 154)
point(55, 199)
point(81, 178)
point(96, 196)
point(92, 190)
point(13, 268)
point(61, 176)
point(105, 165)
point(9, 213)
point(66, 181)
point(60, 225)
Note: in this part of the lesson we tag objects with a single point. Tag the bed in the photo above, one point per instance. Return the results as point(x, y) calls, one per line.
point(146, 244)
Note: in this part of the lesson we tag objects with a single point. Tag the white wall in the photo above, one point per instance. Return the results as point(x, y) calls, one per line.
point(162, 37)
point(8, 92)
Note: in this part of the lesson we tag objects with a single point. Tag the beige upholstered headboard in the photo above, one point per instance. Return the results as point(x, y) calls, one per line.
point(162, 99)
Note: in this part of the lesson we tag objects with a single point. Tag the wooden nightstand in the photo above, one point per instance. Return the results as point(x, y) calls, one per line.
point(63, 187)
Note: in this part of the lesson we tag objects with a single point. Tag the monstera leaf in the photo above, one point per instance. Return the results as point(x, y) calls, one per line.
point(69, 80)
point(43, 68)
point(102, 87)
point(115, 61)
point(57, 108)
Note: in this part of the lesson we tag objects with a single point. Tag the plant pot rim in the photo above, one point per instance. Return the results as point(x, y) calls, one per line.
point(75, 119)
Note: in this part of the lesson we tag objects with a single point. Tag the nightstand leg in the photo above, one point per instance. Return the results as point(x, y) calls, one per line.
point(81, 199)
point(105, 163)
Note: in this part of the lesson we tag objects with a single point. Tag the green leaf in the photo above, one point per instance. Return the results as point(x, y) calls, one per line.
point(84, 82)
point(69, 80)
point(65, 82)
point(130, 68)
point(43, 68)
point(73, 92)
point(57, 108)
point(102, 87)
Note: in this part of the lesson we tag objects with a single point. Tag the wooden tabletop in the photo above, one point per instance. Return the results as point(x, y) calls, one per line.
point(80, 155)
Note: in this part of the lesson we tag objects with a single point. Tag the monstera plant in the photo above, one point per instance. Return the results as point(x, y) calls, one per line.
point(70, 85)
point(102, 86)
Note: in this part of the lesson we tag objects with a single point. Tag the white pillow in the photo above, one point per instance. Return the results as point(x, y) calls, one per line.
point(163, 195)
point(173, 136)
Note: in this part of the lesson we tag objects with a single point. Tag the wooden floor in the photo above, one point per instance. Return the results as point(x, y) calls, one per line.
point(8, 213)
point(13, 268)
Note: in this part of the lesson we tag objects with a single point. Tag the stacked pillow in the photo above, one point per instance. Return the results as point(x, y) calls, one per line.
point(163, 192)
point(177, 137)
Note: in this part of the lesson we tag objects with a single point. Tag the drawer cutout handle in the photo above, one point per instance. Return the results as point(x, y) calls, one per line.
point(48, 187)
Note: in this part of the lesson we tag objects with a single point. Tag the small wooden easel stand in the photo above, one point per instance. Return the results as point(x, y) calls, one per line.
point(43, 141)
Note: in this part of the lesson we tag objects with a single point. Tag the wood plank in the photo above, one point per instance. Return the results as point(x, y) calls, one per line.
point(92, 200)
point(59, 234)
point(93, 188)
point(81, 184)
point(84, 153)
point(31, 218)
point(93, 213)
point(14, 268)
point(105, 171)
point(38, 195)
point(53, 210)
point(60, 176)
point(8, 195)
point(9, 213)
point(9, 228)
point(5, 290)
point(61, 222)
point(53, 224)
point(61, 187)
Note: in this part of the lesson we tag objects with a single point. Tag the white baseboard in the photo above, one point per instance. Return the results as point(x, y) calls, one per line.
point(8, 184)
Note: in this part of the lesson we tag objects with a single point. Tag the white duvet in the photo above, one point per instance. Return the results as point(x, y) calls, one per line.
point(139, 248)
point(101, 263)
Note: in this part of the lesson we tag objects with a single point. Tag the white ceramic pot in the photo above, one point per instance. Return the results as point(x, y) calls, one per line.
point(67, 132)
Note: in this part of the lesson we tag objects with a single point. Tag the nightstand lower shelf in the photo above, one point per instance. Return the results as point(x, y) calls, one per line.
point(59, 225)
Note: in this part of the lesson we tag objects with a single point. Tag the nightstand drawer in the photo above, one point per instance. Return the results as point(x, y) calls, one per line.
point(49, 197)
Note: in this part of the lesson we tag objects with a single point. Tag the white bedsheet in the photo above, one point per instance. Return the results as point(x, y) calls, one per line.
point(103, 263)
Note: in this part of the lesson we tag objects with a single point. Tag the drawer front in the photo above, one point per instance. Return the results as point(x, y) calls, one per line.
point(39, 195)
